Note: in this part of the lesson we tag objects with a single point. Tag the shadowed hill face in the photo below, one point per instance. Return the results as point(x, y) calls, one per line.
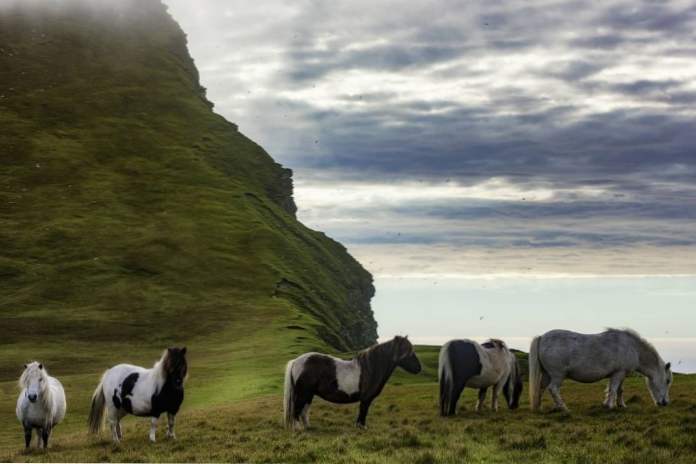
point(130, 210)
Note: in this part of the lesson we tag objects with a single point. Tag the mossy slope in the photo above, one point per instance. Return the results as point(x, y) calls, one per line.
point(130, 211)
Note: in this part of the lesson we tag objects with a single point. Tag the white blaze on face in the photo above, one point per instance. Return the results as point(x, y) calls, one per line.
point(348, 376)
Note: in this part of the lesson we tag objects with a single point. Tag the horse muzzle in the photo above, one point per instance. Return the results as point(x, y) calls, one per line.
point(32, 397)
point(662, 403)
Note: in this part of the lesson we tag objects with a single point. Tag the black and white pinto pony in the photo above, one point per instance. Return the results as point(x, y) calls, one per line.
point(41, 404)
point(127, 389)
point(466, 363)
point(360, 379)
point(613, 354)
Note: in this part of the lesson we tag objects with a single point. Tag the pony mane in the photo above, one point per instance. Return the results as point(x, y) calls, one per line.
point(46, 394)
point(646, 345)
point(25, 373)
point(166, 364)
point(159, 365)
point(495, 343)
point(378, 360)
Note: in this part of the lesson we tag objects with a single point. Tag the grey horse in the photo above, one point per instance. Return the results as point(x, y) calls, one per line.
point(613, 354)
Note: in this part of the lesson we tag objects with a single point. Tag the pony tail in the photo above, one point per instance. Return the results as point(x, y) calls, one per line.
point(535, 374)
point(96, 413)
point(445, 377)
point(289, 396)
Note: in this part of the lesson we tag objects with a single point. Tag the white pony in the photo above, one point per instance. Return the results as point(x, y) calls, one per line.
point(41, 404)
point(127, 389)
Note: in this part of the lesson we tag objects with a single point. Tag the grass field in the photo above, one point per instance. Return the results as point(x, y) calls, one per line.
point(403, 426)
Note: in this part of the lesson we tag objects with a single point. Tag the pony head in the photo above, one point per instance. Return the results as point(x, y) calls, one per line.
point(404, 356)
point(175, 366)
point(659, 383)
point(34, 381)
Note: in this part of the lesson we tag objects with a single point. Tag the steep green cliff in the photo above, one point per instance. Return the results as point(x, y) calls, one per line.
point(129, 209)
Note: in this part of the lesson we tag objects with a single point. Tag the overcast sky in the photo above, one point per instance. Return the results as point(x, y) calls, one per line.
point(461, 139)
point(547, 138)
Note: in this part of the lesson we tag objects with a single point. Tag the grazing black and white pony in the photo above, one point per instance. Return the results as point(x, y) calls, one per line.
point(613, 354)
point(465, 363)
point(41, 404)
point(127, 389)
point(360, 379)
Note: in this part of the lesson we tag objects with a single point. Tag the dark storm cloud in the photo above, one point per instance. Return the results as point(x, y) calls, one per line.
point(571, 96)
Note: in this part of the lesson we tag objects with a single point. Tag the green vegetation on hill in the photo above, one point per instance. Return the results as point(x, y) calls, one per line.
point(129, 210)
point(132, 217)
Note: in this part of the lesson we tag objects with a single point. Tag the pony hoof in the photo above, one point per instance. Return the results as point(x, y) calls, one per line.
point(360, 426)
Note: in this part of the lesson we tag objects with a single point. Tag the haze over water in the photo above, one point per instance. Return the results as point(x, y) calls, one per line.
point(433, 310)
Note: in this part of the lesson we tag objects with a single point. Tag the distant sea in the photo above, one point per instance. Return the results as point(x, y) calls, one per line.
point(434, 309)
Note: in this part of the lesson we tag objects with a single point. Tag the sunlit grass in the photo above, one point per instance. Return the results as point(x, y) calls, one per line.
point(404, 427)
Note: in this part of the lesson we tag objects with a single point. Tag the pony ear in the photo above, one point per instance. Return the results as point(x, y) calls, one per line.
point(40, 366)
point(668, 366)
point(183, 351)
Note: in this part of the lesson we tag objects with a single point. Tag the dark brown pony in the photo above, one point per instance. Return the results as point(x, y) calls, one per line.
point(360, 379)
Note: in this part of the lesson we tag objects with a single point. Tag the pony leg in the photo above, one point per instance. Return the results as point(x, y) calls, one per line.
point(481, 398)
point(555, 389)
point(27, 436)
point(456, 394)
point(620, 397)
point(113, 419)
point(612, 389)
point(171, 419)
point(362, 416)
point(496, 394)
point(153, 429)
point(545, 382)
point(302, 401)
point(119, 431)
point(305, 414)
point(45, 435)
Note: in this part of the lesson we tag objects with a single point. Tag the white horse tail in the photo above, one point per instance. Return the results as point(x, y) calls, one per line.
point(289, 396)
point(445, 377)
point(535, 375)
point(96, 413)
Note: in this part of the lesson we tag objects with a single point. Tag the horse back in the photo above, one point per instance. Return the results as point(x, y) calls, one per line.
point(464, 360)
point(331, 378)
point(585, 357)
point(130, 388)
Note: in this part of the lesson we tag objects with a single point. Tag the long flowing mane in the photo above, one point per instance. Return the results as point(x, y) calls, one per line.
point(494, 343)
point(379, 361)
point(646, 348)
point(172, 361)
point(159, 366)
point(46, 396)
point(376, 357)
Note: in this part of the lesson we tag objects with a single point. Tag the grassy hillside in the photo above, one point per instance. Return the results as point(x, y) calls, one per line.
point(132, 217)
